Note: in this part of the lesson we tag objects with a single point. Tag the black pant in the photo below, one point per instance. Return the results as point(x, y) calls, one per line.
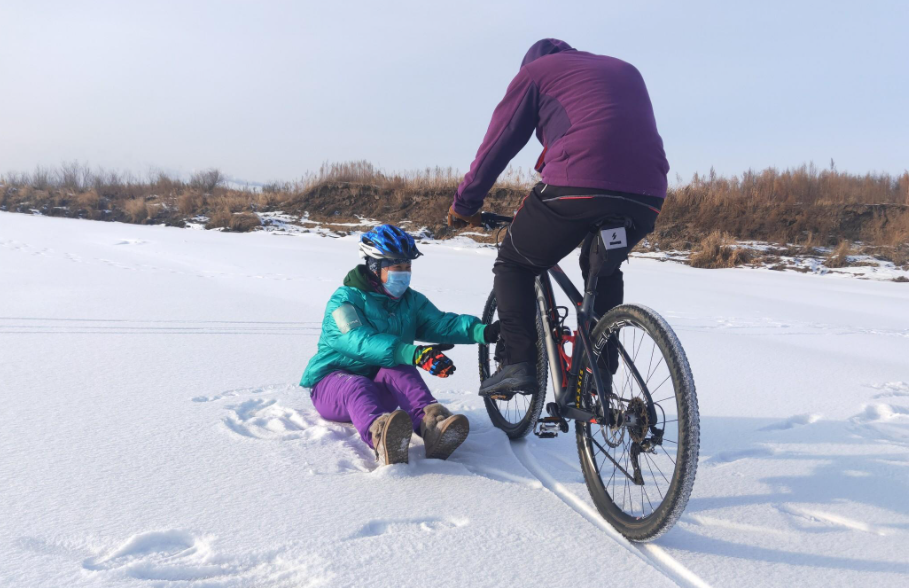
point(552, 221)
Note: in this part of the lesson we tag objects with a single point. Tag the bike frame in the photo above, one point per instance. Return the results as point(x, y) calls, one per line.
point(568, 407)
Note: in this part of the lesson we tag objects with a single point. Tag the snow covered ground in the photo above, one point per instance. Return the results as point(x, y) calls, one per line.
point(152, 433)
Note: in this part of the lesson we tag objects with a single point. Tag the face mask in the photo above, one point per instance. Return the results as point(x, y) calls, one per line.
point(397, 283)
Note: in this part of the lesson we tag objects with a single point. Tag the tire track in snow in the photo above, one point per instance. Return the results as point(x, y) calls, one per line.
point(651, 554)
point(77, 326)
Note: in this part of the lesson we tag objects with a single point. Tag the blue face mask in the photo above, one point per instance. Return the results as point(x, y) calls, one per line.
point(397, 283)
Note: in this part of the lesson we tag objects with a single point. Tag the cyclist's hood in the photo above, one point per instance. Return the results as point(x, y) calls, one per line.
point(545, 47)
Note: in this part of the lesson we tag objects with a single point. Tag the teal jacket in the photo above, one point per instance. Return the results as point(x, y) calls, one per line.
point(364, 330)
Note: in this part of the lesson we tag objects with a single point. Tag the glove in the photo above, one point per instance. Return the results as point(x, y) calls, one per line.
point(431, 359)
point(459, 221)
point(491, 332)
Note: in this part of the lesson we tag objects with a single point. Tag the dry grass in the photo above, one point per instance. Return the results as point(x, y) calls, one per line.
point(839, 257)
point(136, 210)
point(717, 250)
point(801, 208)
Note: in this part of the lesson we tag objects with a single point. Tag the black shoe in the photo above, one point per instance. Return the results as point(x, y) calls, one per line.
point(518, 378)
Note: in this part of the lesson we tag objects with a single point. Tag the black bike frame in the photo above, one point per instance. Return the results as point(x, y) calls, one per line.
point(569, 407)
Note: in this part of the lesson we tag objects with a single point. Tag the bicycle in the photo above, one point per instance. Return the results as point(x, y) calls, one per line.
point(624, 417)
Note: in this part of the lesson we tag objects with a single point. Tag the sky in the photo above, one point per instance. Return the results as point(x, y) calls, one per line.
point(266, 90)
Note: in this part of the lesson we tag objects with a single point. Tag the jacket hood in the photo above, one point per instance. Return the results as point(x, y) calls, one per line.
point(359, 278)
point(545, 47)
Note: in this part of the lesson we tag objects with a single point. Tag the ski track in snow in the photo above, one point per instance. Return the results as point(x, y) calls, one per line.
point(168, 328)
point(652, 554)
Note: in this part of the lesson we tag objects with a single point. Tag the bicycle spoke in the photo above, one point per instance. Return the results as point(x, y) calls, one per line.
point(656, 465)
point(647, 379)
point(661, 384)
point(650, 363)
point(656, 484)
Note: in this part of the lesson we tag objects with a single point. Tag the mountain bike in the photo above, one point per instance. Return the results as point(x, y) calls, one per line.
point(623, 379)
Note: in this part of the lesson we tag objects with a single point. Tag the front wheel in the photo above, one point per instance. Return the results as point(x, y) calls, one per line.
point(640, 458)
point(517, 415)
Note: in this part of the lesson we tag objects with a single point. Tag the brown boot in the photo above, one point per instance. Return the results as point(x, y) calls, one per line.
point(442, 431)
point(390, 434)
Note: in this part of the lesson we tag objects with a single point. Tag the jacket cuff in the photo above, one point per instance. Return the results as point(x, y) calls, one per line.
point(476, 333)
point(463, 210)
point(404, 353)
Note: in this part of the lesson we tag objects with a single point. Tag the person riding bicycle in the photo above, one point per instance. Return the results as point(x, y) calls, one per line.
point(602, 161)
point(366, 363)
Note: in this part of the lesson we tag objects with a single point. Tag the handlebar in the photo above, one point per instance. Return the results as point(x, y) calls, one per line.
point(491, 220)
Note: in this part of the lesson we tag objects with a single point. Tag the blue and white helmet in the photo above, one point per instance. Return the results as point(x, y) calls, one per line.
point(388, 242)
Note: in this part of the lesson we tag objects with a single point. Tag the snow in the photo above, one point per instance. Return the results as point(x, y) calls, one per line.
point(153, 434)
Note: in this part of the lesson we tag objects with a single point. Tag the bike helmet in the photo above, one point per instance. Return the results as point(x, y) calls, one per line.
point(388, 245)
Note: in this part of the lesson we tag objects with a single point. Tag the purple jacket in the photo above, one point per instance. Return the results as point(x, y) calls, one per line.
point(593, 116)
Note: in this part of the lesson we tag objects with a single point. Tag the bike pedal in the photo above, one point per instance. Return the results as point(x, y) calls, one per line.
point(549, 427)
point(546, 430)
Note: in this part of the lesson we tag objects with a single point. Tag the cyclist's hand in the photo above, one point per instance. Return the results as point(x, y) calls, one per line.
point(459, 221)
point(491, 332)
point(431, 359)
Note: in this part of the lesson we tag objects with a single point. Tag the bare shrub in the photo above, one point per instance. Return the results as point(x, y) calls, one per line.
point(207, 180)
point(136, 210)
point(718, 250)
point(41, 178)
point(107, 183)
point(163, 183)
point(839, 257)
point(74, 176)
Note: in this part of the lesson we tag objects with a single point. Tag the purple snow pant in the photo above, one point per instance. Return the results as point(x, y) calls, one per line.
point(348, 398)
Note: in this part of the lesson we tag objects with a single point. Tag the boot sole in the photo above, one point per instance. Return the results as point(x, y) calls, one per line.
point(509, 387)
point(398, 432)
point(450, 438)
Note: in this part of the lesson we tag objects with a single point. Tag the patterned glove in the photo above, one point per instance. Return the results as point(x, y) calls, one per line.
point(431, 359)
point(491, 332)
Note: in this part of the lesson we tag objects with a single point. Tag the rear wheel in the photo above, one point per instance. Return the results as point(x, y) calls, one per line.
point(517, 415)
point(640, 458)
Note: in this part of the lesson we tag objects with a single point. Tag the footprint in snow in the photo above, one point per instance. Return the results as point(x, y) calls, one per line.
point(266, 419)
point(883, 422)
point(817, 517)
point(727, 457)
point(246, 391)
point(892, 390)
point(793, 422)
point(380, 527)
point(177, 556)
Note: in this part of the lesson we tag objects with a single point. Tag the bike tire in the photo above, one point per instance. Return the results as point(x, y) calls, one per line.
point(650, 527)
point(519, 427)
